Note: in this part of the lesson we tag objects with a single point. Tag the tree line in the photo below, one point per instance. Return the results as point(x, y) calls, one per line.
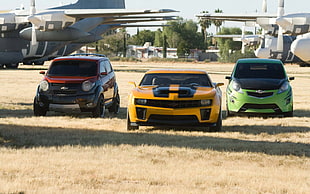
point(181, 34)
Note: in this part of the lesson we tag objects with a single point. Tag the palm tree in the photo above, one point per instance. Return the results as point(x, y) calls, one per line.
point(218, 23)
point(204, 24)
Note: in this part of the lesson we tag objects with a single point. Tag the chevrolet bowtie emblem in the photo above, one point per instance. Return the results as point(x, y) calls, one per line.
point(64, 88)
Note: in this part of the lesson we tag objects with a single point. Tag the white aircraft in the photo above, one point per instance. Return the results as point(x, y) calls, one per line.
point(284, 37)
point(35, 36)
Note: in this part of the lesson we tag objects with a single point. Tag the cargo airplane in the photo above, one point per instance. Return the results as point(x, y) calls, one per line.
point(284, 37)
point(32, 37)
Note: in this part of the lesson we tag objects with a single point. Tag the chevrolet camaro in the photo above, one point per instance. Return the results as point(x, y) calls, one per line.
point(177, 97)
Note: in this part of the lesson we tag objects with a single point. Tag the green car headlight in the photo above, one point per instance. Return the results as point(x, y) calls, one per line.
point(236, 86)
point(284, 87)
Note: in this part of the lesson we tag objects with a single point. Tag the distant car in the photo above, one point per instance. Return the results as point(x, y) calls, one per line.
point(259, 87)
point(176, 97)
point(78, 84)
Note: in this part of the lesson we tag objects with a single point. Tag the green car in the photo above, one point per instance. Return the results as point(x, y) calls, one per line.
point(259, 87)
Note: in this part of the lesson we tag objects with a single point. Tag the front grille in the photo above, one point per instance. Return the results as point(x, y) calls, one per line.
point(180, 120)
point(260, 95)
point(260, 106)
point(64, 92)
point(70, 85)
point(174, 103)
point(65, 88)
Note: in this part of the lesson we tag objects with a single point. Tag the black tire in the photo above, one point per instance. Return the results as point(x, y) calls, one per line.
point(115, 105)
point(289, 114)
point(99, 110)
point(228, 113)
point(218, 125)
point(39, 63)
point(37, 109)
point(11, 66)
point(129, 127)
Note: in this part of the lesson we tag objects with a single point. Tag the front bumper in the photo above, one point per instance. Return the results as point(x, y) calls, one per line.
point(153, 116)
point(251, 102)
point(78, 103)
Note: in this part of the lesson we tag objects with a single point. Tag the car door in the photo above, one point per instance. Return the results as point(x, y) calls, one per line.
point(107, 77)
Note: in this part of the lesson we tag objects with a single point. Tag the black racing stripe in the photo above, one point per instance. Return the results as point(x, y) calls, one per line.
point(183, 92)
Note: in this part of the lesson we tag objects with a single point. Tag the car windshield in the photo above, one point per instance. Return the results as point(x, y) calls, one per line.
point(259, 70)
point(182, 79)
point(73, 68)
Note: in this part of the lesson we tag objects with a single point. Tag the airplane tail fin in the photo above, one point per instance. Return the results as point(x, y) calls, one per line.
point(95, 4)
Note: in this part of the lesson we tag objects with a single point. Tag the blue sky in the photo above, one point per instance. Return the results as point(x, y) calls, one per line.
point(188, 8)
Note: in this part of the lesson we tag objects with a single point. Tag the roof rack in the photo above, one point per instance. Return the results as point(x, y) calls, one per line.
point(88, 54)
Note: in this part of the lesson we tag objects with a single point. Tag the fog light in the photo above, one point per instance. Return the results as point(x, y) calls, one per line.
point(205, 114)
point(141, 113)
point(90, 104)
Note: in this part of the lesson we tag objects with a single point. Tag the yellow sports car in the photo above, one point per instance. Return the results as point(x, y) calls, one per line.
point(175, 97)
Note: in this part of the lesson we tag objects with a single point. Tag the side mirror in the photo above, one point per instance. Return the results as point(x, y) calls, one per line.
point(42, 72)
point(291, 78)
point(219, 84)
point(228, 77)
point(133, 83)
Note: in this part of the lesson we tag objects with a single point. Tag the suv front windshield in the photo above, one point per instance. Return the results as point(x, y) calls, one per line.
point(259, 70)
point(182, 79)
point(73, 68)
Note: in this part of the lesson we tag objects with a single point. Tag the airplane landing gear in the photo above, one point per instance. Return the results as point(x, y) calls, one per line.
point(9, 66)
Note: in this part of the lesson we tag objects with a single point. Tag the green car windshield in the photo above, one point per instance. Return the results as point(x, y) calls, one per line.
point(259, 70)
point(73, 68)
point(182, 79)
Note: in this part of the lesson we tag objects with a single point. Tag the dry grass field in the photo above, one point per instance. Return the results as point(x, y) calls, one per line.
point(63, 153)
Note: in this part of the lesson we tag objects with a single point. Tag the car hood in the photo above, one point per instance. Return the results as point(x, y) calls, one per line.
point(173, 92)
point(260, 84)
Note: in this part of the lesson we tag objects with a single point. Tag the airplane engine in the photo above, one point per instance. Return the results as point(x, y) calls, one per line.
point(300, 48)
point(48, 21)
point(263, 53)
point(295, 24)
point(68, 34)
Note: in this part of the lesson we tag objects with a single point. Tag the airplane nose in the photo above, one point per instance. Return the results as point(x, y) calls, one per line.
point(263, 53)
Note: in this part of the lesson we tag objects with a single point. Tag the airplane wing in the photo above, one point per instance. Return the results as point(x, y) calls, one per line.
point(235, 17)
point(60, 19)
point(124, 20)
point(82, 13)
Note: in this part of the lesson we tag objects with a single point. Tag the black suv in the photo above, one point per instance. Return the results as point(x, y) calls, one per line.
point(78, 83)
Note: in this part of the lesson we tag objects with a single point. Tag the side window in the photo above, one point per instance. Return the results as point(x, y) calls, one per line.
point(108, 66)
point(102, 67)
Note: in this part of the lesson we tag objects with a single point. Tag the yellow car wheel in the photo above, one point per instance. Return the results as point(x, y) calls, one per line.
point(129, 126)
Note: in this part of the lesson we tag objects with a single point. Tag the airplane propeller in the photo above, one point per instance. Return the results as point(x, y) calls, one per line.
point(32, 13)
point(280, 30)
point(264, 7)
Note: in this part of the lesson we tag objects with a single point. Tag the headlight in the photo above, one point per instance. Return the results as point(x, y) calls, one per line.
point(141, 101)
point(283, 87)
point(43, 86)
point(87, 85)
point(236, 86)
point(206, 102)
